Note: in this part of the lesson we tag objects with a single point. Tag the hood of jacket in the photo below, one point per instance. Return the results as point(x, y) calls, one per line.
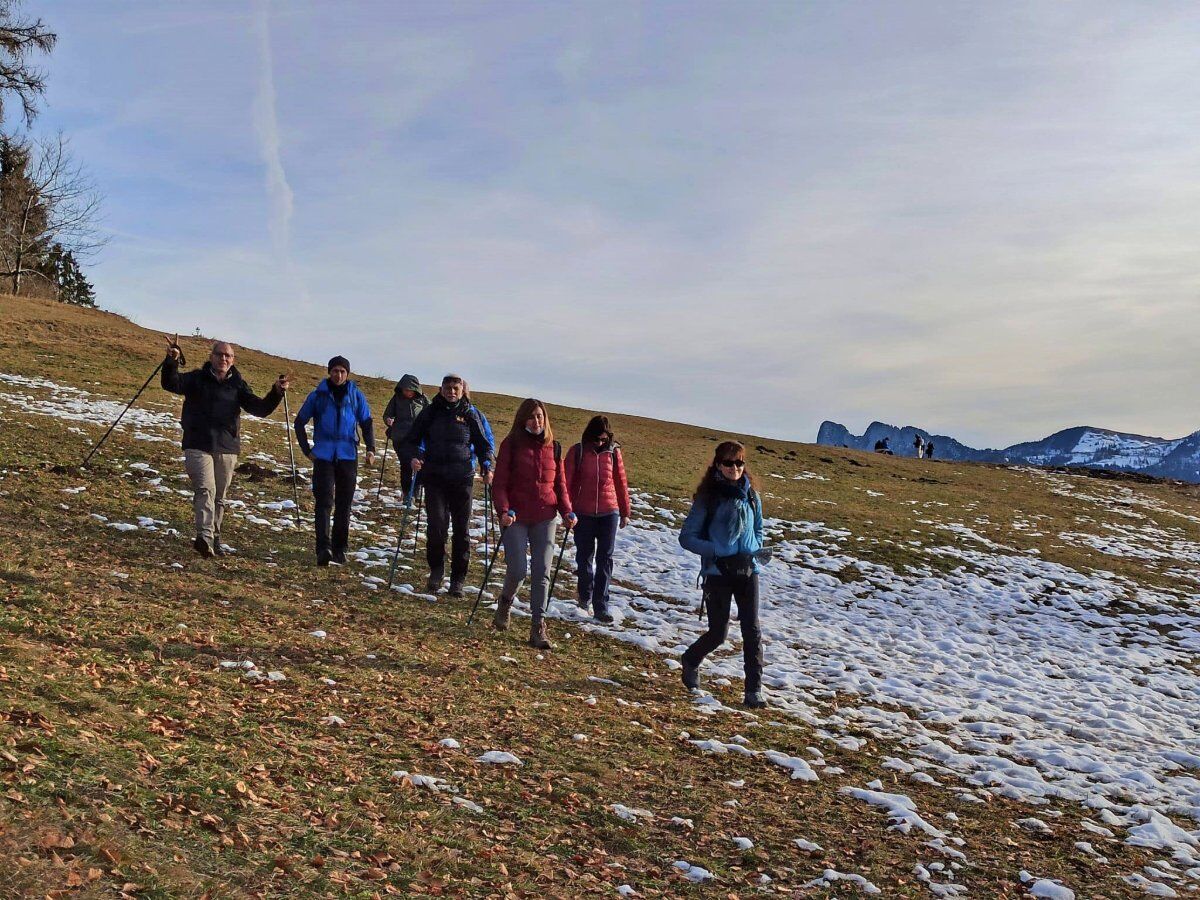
point(408, 383)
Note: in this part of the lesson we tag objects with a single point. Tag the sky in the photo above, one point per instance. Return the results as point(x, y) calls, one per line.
point(980, 219)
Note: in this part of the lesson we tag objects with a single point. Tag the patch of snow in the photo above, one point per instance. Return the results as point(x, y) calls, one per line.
point(499, 758)
point(694, 874)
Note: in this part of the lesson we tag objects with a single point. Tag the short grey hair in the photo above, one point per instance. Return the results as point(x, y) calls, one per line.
point(218, 344)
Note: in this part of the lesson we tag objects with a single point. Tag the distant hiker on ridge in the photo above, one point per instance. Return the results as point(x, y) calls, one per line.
point(402, 410)
point(929, 450)
point(530, 493)
point(919, 446)
point(600, 497)
point(213, 399)
point(451, 431)
point(881, 446)
point(725, 527)
point(338, 410)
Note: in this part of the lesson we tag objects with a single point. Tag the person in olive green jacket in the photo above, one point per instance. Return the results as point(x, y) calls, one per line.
point(406, 403)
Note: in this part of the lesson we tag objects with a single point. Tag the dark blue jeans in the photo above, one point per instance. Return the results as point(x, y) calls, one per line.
point(594, 539)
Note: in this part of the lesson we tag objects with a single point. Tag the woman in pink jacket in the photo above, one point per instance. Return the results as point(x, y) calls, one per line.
point(530, 492)
point(600, 495)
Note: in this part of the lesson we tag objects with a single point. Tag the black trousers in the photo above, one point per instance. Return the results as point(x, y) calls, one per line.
point(448, 501)
point(333, 488)
point(406, 473)
point(719, 592)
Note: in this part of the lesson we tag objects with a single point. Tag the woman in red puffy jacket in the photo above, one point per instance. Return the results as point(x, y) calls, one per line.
point(530, 492)
point(600, 495)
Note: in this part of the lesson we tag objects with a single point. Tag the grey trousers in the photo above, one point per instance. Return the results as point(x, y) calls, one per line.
point(211, 474)
point(539, 538)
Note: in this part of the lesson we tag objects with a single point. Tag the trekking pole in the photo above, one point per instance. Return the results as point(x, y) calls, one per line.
point(100, 443)
point(487, 520)
point(487, 573)
point(403, 527)
point(417, 526)
point(382, 466)
point(553, 578)
point(287, 414)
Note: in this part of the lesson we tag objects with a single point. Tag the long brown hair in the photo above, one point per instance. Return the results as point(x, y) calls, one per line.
point(524, 411)
point(725, 450)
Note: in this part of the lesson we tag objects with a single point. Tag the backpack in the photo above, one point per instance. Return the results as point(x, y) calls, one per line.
point(701, 578)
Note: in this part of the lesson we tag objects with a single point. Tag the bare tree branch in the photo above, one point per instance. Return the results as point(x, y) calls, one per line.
point(19, 41)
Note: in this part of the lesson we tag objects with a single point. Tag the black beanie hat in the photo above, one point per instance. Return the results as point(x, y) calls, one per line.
point(338, 361)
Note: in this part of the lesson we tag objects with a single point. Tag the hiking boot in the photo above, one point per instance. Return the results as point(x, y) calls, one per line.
point(433, 584)
point(582, 601)
point(603, 616)
point(754, 700)
point(690, 675)
point(338, 558)
point(456, 588)
point(537, 636)
point(217, 549)
point(324, 557)
point(503, 614)
point(200, 545)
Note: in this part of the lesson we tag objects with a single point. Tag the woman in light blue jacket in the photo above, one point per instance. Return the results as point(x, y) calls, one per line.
point(725, 527)
point(338, 410)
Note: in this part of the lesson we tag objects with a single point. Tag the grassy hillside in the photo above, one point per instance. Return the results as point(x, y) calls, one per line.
point(132, 763)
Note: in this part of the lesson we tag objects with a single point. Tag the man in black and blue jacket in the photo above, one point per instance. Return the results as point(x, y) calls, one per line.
point(451, 432)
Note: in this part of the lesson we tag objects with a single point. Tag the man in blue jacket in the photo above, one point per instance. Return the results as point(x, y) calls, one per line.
point(338, 410)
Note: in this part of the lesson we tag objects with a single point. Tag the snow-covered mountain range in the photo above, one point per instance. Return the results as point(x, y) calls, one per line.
point(1085, 446)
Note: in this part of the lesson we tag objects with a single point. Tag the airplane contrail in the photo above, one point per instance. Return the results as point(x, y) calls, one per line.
point(266, 127)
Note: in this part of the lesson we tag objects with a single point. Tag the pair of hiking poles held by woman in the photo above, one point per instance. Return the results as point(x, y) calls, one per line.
point(490, 553)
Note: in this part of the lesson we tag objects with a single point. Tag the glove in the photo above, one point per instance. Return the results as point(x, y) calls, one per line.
point(739, 565)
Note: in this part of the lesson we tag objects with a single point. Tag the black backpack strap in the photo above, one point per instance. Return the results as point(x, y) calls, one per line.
point(710, 510)
point(557, 451)
point(702, 579)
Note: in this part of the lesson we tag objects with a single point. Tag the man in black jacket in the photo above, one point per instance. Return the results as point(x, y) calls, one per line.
point(213, 399)
point(450, 429)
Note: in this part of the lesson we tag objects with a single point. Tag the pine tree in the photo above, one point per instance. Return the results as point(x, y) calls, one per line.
point(62, 270)
point(22, 212)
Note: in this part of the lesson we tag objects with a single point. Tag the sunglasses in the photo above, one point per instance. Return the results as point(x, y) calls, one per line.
point(740, 463)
